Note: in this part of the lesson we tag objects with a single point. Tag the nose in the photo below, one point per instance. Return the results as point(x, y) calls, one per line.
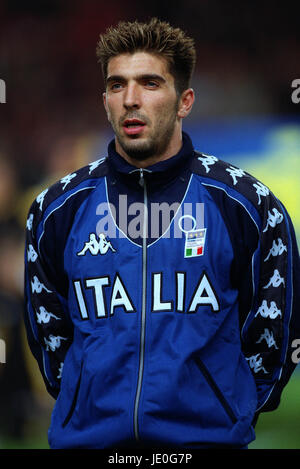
point(132, 97)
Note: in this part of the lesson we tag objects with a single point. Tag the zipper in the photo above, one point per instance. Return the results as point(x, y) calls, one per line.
point(142, 183)
point(213, 385)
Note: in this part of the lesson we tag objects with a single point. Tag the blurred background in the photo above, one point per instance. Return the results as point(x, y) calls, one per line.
point(53, 122)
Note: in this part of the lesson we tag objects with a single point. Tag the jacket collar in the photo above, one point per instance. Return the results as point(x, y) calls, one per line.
point(157, 174)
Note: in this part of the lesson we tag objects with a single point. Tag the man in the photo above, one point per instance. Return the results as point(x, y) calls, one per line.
point(170, 278)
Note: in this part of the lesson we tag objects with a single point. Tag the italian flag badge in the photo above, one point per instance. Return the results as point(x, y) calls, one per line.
point(194, 243)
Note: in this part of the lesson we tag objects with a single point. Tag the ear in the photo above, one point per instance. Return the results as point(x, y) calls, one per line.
point(186, 103)
point(105, 106)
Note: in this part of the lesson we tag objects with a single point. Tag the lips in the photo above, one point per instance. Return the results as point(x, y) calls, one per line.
point(133, 126)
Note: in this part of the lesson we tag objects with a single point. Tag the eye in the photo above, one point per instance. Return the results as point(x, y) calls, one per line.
point(115, 86)
point(151, 84)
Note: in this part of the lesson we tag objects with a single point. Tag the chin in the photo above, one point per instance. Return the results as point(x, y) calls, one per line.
point(139, 150)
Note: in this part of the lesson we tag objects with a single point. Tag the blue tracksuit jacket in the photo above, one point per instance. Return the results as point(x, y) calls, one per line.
point(161, 304)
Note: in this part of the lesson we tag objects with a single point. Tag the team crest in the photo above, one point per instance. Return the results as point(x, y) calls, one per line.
point(194, 243)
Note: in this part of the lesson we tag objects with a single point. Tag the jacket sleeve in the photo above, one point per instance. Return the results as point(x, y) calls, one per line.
point(49, 329)
point(273, 323)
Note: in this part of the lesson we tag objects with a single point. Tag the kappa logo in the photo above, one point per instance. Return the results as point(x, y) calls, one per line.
point(67, 179)
point(277, 249)
point(60, 370)
point(37, 286)
point(54, 342)
point(255, 363)
point(44, 316)
point(96, 246)
point(29, 222)
point(207, 161)
point(275, 281)
point(261, 191)
point(269, 312)
point(31, 254)
point(95, 164)
point(235, 173)
point(268, 337)
point(40, 198)
point(274, 219)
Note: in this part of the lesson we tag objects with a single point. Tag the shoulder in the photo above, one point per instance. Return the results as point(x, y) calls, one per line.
point(233, 181)
point(73, 187)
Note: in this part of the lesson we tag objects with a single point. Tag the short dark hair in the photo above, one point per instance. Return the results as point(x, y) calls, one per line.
point(156, 37)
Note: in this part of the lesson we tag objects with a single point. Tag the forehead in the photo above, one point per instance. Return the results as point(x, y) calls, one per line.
point(138, 63)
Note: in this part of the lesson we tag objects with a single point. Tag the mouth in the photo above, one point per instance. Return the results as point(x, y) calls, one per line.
point(133, 126)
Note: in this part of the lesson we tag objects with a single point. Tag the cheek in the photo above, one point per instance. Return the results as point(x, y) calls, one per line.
point(111, 108)
point(166, 112)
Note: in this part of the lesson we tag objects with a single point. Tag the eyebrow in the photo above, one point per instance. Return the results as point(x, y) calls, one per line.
point(145, 76)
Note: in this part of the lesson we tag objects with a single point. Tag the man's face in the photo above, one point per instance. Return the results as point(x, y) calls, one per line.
point(142, 106)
